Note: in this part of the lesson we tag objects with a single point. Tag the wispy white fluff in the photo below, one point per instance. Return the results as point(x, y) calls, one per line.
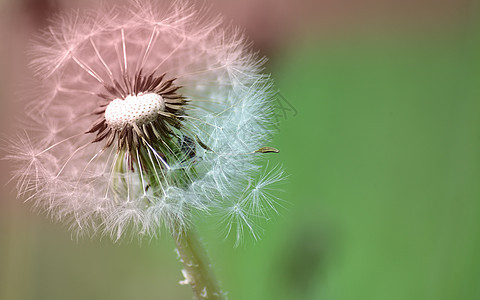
point(73, 180)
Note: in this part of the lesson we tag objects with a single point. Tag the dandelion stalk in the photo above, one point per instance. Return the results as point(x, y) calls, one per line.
point(197, 270)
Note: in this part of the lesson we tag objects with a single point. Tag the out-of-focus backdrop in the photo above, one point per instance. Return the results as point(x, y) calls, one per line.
point(379, 111)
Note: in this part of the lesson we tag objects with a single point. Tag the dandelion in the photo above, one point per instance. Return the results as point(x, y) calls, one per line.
point(142, 116)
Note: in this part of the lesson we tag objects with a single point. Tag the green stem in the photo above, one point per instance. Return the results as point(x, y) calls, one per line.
point(197, 270)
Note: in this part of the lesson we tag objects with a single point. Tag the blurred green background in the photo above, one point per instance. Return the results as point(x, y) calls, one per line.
point(383, 197)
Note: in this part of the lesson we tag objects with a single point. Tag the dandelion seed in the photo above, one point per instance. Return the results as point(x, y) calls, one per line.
point(143, 115)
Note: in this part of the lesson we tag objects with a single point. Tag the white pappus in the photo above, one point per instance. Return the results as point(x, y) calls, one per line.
point(142, 115)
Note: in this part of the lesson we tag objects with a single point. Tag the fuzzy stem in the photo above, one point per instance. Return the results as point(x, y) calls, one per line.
point(197, 270)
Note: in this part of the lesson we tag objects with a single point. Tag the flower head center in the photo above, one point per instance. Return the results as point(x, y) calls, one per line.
point(139, 109)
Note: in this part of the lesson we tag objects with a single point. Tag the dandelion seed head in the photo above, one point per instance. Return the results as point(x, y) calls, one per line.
point(144, 115)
